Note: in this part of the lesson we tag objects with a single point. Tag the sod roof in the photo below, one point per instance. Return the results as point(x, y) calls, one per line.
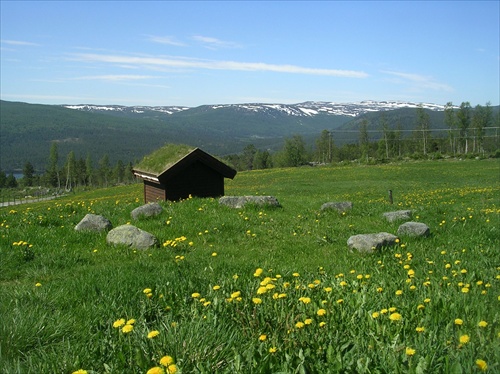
point(163, 158)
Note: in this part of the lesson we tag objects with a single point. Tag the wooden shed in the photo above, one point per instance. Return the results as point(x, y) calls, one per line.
point(175, 172)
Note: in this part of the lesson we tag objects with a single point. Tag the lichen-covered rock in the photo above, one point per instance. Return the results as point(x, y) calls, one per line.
point(398, 215)
point(369, 243)
point(93, 222)
point(340, 207)
point(241, 201)
point(131, 236)
point(147, 210)
point(414, 229)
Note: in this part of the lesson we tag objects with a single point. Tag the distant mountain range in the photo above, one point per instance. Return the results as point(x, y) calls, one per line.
point(306, 109)
point(128, 133)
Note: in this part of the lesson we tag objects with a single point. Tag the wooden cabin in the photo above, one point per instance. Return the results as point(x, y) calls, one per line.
point(175, 172)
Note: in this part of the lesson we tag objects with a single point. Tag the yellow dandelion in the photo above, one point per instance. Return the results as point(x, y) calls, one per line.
point(130, 321)
point(322, 324)
point(481, 365)
point(256, 300)
point(216, 287)
point(383, 311)
point(236, 294)
point(296, 274)
point(395, 317)
point(328, 289)
point(392, 309)
point(321, 312)
point(258, 272)
point(80, 371)
point(119, 323)
point(305, 300)
point(379, 289)
point(482, 324)
point(127, 328)
point(167, 360)
point(375, 315)
point(399, 292)
point(263, 337)
point(459, 322)
point(464, 339)
point(155, 370)
point(299, 325)
point(308, 321)
point(261, 290)
point(273, 350)
point(38, 284)
point(153, 334)
point(195, 295)
point(340, 301)
point(343, 283)
point(147, 290)
point(409, 351)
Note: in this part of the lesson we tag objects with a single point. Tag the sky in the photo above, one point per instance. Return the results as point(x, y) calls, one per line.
point(190, 53)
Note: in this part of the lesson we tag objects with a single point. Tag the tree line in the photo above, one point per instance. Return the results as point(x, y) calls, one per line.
point(465, 135)
point(73, 173)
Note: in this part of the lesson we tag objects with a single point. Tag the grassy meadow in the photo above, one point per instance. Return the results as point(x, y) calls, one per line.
point(261, 290)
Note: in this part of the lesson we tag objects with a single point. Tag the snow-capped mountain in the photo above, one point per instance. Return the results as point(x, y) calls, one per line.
point(305, 109)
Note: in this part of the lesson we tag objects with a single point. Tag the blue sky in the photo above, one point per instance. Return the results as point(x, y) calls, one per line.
point(192, 53)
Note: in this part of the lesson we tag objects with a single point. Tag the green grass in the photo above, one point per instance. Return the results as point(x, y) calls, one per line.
point(65, 323)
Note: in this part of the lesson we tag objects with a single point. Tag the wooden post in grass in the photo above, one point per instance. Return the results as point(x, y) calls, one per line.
point(390, 197)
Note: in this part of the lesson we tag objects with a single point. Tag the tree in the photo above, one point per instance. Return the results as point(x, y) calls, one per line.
point(53, 178)
point(262, 160)
point(248, 157)
point(294, 151)
point(104, 171)
point(451, 121)
point(11, 181)
point(119, 172)
point(70, 169)
point(324, 147)
point(385, 133)
point(364, 141)
point(463, 120)
point(481, 119)
point(28, 174)
point(89, 170)
point(3, 179)
point(423, 126)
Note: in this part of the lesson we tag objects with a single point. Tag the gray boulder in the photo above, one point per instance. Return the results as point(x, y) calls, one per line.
point(147, 210)
point(398, 215)
point(369, 243)
point(131, 236)
point(241, 201)
point(340, 207)
point(93, 222)
point(414, 229)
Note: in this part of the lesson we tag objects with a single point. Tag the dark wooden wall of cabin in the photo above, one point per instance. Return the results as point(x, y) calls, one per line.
point(153, 192)
point(197, 180)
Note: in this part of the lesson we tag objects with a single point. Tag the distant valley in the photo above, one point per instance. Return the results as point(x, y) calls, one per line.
point(128, 133)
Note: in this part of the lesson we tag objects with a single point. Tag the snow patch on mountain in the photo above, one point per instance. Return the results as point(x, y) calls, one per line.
point(305, 109)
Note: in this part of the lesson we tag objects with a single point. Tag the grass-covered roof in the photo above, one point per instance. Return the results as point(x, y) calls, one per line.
point(163, 158)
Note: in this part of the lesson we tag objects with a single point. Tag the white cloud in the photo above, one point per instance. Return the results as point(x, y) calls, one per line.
point(419, 81)
point(170, 40)
point(214, 43)
point(115, 77)
point(19, 43)
point(185, 63)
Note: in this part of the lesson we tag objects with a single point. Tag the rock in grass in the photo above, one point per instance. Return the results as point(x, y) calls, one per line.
point(369, 243)
point(340, 207)
point(241, 201)
point(398, 215)
point(147, 210)
point(414, 229)
point(131, 236)
point(93, 222)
